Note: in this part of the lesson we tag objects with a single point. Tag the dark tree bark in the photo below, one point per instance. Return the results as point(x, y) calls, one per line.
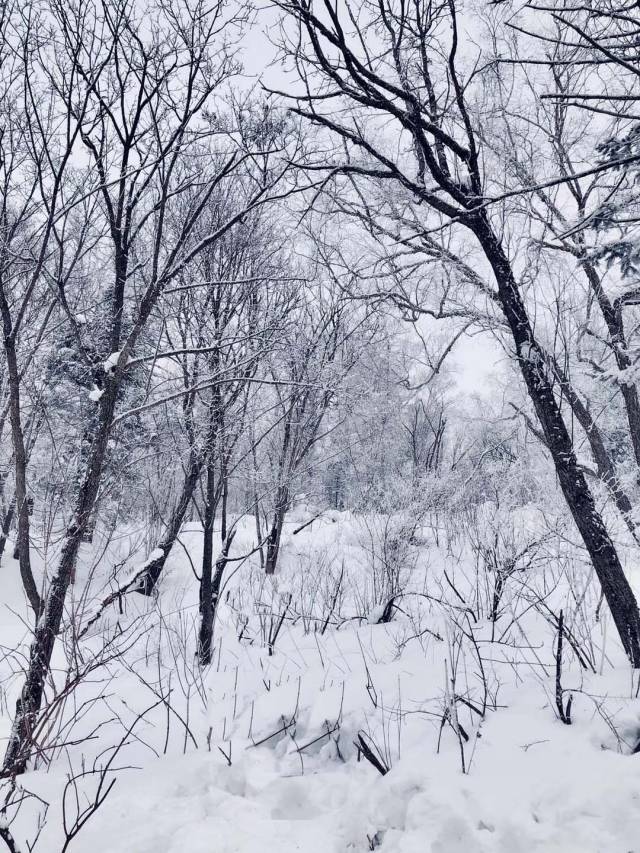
point(208, 530)
point(606, 469)
point(256, 501)
point(6, 525)
point(534, 368)
point(48, 626)
point(209, 595)
point(20, 459)
point(150, 578)
point(612, 315)
point(275, 531)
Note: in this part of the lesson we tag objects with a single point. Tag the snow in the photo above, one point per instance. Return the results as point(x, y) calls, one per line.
point(124, 579)
point(109, 365)
point(375, 615)
point(628, 376)
point(156, 554)
point(288, 721)
point(95, 394)
point(529, 353)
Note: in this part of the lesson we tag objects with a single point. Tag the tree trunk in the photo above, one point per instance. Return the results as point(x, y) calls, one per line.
point(206, 605)
point(256, 502)
point(208, 525)
point(197, 462)
point(534, 367)
point(275, 533)
point(150, 578)
point(48, 626)
point(604, 463)
point(6, 525)
point(209, 595)
point(23, 546)
point(612, 315)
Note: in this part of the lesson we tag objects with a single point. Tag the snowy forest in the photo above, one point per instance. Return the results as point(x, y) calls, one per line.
point(319, 426)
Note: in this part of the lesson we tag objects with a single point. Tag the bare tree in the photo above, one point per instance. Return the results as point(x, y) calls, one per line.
point(141, 96)
point(417, 83)
point(316, 356)
point(548, 131)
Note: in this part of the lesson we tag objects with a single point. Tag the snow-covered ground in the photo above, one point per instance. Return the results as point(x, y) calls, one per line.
point(259, 752)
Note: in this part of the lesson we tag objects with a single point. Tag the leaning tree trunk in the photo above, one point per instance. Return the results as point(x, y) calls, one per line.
point(605, 466)
point(612, 315)
point(48, 626)
point(535, 370)
point(197, 461)
point(151, 576)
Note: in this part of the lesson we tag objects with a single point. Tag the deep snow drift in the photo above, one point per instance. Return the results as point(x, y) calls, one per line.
point(265, 751)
